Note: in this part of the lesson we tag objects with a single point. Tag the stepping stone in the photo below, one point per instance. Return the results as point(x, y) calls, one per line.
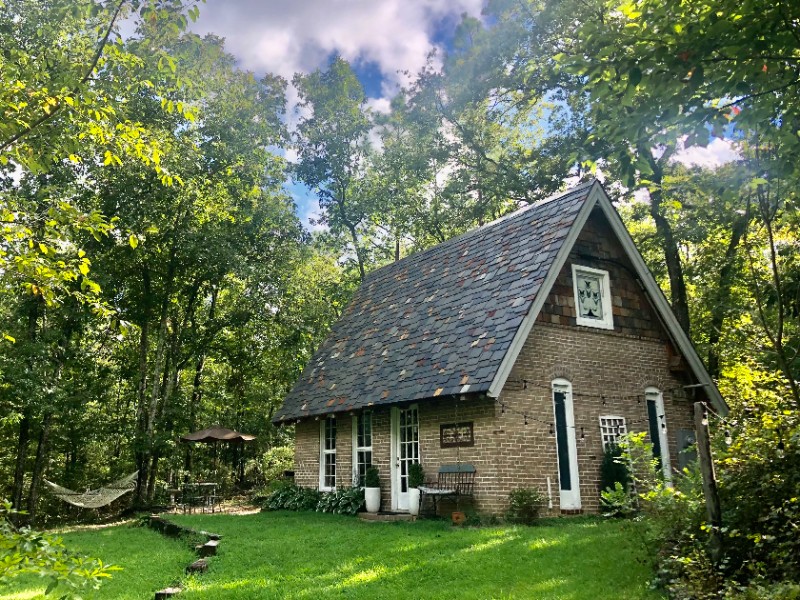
point(198, 566)
point(167, 593)
point(209, 548)
point(211, 536)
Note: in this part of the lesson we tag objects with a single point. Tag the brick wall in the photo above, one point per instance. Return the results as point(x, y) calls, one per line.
point(596, 363)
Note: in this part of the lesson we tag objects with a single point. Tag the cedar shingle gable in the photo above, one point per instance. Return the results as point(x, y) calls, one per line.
point(438, 322)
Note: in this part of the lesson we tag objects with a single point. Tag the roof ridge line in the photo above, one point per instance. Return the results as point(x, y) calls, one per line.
point(486, 226)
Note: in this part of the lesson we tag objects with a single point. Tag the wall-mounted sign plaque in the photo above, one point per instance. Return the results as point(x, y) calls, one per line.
point(456, 434)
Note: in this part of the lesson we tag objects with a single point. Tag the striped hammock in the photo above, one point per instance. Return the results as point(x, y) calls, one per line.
point(96, 498)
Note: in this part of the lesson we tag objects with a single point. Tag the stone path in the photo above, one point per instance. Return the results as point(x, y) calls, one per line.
point(204, 551)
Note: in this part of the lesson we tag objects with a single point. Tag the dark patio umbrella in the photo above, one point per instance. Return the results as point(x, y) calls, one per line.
point(217, 434)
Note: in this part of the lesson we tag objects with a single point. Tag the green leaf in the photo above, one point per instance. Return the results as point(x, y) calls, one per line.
point(634, 76)
point(697, 76)
point(133, 241)
point(53, 584)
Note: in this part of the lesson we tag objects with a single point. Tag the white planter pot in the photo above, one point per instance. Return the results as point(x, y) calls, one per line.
point(413, 501)
point(372, 496)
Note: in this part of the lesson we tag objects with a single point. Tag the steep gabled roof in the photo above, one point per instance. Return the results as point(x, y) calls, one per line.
point(452, 319)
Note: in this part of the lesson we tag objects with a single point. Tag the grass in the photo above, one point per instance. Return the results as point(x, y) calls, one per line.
point(149, 562)
point(311, 555)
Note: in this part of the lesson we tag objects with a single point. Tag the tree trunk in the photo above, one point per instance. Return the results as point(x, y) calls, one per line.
point(140, 442)
point(170, 381)
point(672, 257)
point(22, 454)
point(351, 227)
point(38, 466)
point(23, 438)
point(776, 336)
point(197, 382)
point(721, 305)
point(710, 490)
point(677, 285)
point(194, 404)
point(151, 482)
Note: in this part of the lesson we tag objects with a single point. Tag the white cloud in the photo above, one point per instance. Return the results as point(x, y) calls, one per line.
point(716, 154)
point(380, 105)
point(287, 37)
point(310, 219)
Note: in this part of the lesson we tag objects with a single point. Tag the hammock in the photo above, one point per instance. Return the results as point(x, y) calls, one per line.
point(96, 498)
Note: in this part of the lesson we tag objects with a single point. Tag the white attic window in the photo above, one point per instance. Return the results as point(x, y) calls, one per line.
point(592, 297)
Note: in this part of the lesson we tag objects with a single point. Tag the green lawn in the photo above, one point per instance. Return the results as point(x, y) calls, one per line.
point(149, 561)
point(312, 555)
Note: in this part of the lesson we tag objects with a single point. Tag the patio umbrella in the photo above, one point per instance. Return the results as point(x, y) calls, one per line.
point(215, 434)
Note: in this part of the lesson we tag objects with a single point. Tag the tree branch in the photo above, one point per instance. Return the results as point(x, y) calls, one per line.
point(59, 104)
point(759, 94)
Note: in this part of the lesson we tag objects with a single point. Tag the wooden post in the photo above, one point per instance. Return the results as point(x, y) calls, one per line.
point(709, 478)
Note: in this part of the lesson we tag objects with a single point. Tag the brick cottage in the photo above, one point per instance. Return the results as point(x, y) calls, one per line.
point(522, 347)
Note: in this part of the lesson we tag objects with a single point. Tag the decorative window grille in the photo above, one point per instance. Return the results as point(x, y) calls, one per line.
point(592, 297)
point(362, 447)
point(612, 428)
point(327, 463)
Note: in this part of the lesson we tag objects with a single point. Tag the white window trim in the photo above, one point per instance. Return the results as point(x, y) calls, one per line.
point(605, 292)
point(322, 453)
point(655, 394)
point(569, 499)
point(356, 447)
point(605, 429)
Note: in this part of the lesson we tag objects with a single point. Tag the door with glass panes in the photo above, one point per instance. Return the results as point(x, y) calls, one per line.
point(405, 451)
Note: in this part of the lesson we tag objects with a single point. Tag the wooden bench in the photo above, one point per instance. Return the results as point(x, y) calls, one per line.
point(454, 481)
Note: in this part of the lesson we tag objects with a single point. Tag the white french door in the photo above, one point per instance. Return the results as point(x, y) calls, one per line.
point(405, 451)
point(657, 419)
point(566, 448)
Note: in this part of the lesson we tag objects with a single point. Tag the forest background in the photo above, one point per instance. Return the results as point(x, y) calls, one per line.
point(155, 277)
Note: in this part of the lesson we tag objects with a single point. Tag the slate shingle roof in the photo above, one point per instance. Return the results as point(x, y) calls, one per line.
point(438, 322)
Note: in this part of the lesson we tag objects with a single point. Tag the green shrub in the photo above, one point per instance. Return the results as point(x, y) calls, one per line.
point(614, 469)
point(292, 497)
point(346, 501)
point(24, 551)
point(270, 466)
point(617, 502)
point(416, 475)
point(475, 519)
point(372, 478)
point(776, 591)
point(524, 505)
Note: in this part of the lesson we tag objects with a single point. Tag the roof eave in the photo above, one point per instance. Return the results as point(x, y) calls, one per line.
point(290, 418)
point(504, 371)
point(675, 331)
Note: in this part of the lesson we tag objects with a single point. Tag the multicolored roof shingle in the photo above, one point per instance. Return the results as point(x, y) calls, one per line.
point(438, 322)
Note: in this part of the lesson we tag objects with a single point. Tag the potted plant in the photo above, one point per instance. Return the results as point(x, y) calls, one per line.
point(416, 477)
point(372, 490)
point(458, 516)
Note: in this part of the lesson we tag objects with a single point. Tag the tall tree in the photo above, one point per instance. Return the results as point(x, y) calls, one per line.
point(332, 146)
